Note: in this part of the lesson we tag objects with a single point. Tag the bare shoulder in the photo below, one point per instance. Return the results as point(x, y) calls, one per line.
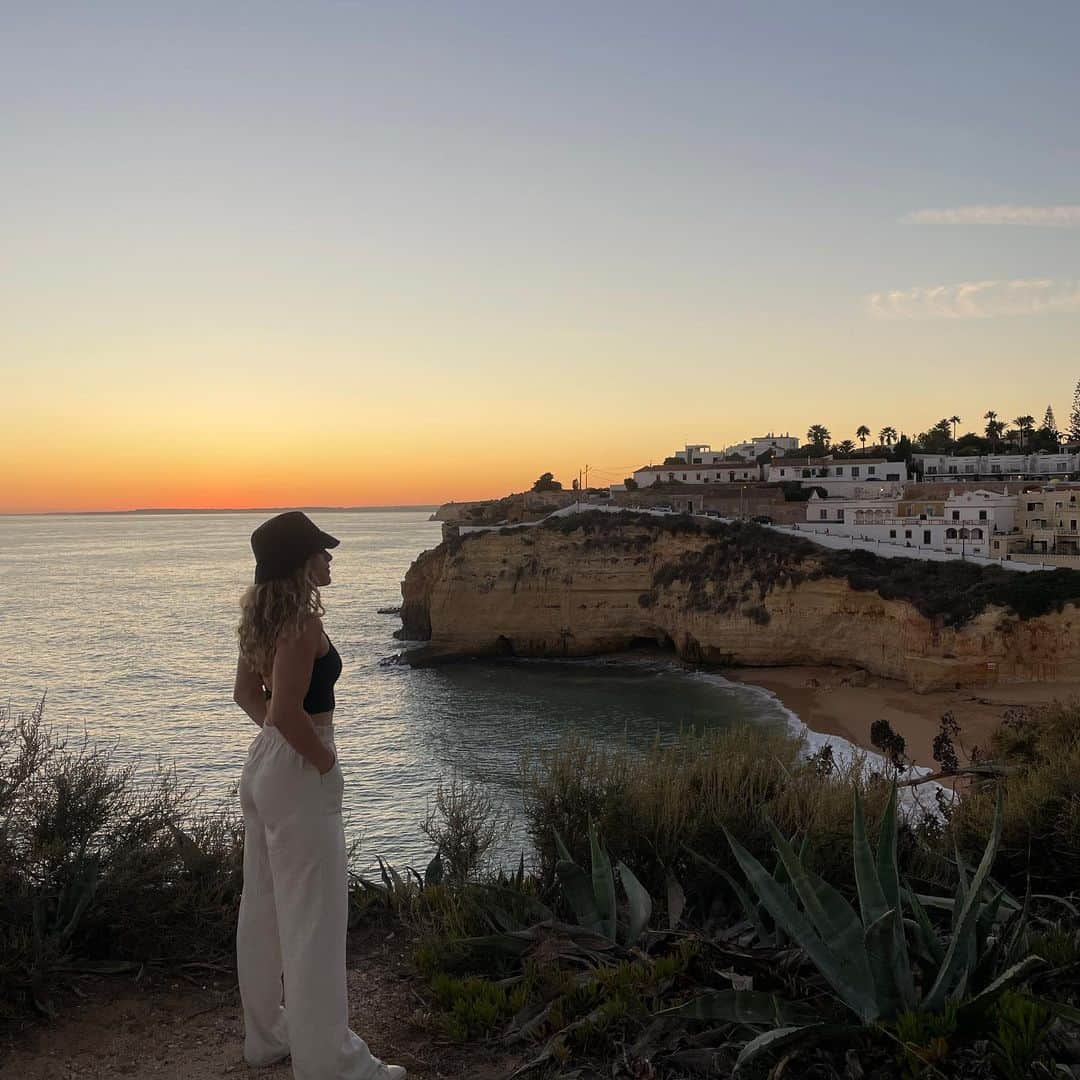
point(307, 639)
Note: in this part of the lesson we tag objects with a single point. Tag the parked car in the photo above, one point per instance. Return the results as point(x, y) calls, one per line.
point(762, 519)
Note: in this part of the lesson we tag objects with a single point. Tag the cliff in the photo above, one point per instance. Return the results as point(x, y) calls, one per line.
point(736, 595)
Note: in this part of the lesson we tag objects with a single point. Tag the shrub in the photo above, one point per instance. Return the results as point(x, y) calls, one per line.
point(464, 825)
point(94, 865)
point(654, 809)
point(1042, 810)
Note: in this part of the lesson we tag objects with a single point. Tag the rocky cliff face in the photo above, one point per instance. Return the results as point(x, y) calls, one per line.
point(740, 597)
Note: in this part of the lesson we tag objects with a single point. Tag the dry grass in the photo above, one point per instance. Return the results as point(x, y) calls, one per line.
point(651, 809)
point(1041, 832)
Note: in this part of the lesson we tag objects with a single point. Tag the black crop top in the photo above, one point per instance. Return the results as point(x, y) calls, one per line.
point(324, 673)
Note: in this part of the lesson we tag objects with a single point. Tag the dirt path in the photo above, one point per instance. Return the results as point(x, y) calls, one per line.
point(189, 1028)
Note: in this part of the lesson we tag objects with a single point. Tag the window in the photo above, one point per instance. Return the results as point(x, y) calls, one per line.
point(824, 515)
point(982, 515)
point(976, 534)
point(806, 473)
point(1072, 525)
point(907, 534)
point(892, 534)
point(684, 476)
point(931, 468)
point(926, 536)
point(956, 515)
point(950, 534)
point(731, 477)
point(892, 476)
point(854, 471)
point(839, 470)
point(952, 468)
point(871, 469)
point(697, 476)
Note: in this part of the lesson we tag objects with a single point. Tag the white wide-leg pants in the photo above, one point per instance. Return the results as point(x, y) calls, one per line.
point(294, 916)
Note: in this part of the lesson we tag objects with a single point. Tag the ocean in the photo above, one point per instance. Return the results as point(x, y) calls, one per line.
point(127, 625)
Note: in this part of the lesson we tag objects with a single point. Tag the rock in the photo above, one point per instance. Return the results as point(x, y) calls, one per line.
point(560, 591)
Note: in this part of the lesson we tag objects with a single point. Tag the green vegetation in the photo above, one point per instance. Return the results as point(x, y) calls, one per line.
point(712, 907)
point(96, 866)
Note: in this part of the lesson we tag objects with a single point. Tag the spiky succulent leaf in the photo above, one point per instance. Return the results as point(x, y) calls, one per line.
point(778, 1039)
point(884, 964)
point(603, 884)
point(640, 903)
point(433, 875)
point(852, 986)
point(872, 902)
point(931, 945)
point(1017, 973)
point(561, 848)
point(956, 966)
point(578, 890)
point(832, 916)
point(888, 871)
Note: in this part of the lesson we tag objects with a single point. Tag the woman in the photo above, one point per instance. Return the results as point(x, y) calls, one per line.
point(294, 908)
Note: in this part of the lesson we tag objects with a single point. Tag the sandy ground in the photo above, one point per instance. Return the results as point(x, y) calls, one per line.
point(826, 701)
point(188, 1027)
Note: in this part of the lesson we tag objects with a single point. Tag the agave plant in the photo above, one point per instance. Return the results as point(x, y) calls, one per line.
point(864, 955)
point(592, 896)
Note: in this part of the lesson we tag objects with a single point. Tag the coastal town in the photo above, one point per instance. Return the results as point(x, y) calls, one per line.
point(1009, 497)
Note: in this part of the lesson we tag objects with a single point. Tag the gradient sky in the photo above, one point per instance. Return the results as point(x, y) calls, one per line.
point(261, 253)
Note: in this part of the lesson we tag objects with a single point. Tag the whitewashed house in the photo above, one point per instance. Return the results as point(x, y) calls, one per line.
point(723, 472)
point(998, 466)
point(965, 524)
point(856, 478)
point(753, 448)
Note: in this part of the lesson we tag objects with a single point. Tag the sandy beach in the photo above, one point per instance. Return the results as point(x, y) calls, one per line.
point(846, 701)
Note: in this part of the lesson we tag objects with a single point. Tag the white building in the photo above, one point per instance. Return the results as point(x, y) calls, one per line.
point(870, 474)
point(753, 448)
point(966, 525)
point(998, 466)
point(723, 472)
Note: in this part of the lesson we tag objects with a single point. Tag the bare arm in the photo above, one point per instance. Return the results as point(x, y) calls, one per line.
point(291, 676)
point(249, 693)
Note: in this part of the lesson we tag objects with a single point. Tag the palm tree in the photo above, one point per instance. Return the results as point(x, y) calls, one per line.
point(887, 435)
point(862, 433)
point(818, 435)
point(1024, 424)
point(954, 420)
point(846, 447)
point(994, 426)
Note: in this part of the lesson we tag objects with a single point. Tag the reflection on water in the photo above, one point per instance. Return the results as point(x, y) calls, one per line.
point(128, 622)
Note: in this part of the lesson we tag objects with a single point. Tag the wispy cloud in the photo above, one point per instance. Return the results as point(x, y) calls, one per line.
point(1060, 217)
point(977, 300)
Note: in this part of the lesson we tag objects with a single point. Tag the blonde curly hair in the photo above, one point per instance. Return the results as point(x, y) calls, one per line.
point(267, 610)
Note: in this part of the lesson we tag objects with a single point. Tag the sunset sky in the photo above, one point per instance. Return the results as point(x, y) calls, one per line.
point(267, 254)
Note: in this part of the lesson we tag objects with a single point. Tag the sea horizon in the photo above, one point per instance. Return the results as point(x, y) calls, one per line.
point(163, 510)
